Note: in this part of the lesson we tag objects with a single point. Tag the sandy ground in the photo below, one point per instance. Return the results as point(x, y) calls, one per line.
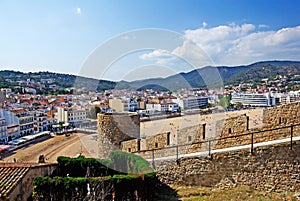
point(58, 145)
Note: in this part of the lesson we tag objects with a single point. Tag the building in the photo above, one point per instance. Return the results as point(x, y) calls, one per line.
point(17, 179)
point(25, 121)
point(12, 125)
point(192, 102)
point(253, 99)
point(41, 122)
point(67, 115)
point(123, 105)
point(162, 107)
point(286, 98)
point(3, 131)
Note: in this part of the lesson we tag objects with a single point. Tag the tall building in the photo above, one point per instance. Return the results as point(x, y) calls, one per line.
point(68, 115)
point(12, 125)
point(253, 99)
point(3, 131)
point(192, 102)
point(123, 105)
point(25, 121)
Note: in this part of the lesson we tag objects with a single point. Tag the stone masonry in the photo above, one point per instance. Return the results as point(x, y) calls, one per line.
point(113, 128)
point(273, 168)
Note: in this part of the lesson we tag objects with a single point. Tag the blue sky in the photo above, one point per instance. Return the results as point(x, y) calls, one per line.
point(61, 36)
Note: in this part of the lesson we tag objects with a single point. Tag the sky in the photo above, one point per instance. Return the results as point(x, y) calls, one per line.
point(137, 39)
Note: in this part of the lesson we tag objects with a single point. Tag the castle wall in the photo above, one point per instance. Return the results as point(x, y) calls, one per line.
point(274, 168)
point(113, 128)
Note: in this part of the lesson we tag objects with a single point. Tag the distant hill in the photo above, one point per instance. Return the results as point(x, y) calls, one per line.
point(48, 79)
point(228, 75)
point(202, 77)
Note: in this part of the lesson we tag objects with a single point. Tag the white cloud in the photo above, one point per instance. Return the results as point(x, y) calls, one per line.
point(235, 45)
point(204, 24)
point(78, 11)
point(263, 26)
point(232, 45)
point(159, 56)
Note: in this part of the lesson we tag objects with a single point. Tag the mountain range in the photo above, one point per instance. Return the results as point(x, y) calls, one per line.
point(220, 75)
point(203, 77)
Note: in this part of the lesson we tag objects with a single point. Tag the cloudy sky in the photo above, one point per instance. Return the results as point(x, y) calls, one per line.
point(84, 37)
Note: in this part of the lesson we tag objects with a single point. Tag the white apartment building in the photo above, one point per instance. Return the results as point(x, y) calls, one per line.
point(3, 131)
point(162, 107)
point(26, 122)
point(124, 104)
point(253, 99)
point(286, 98)
point(12, 125)
point(41, 122)
point(67, 115)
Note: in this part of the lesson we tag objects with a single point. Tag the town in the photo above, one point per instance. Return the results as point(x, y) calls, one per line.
point(24, 112)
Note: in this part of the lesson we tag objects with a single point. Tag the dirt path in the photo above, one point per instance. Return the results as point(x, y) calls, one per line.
point(58, 145)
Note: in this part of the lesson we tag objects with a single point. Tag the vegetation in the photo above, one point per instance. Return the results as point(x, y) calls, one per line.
point(196, 78)
point(189, 193)
point(118, 163)
point(91, 179)
point(93, 112)
point(51, 83)
point(225, 101)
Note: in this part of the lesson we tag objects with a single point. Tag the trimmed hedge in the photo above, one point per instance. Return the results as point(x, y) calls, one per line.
point(123, 176)
point(122, 187)
point(129, 163)
point(118, 163)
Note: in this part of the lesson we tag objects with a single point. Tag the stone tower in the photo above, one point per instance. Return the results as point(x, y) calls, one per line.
point(113, 128)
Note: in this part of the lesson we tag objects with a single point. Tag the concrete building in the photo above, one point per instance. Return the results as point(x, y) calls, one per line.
point(41, 122)
point(162, 107)
point(3, 131)
point(252, 99)
point(12, 125)
point(26, 122)
point(67, 115)
point(192, 102)
point(124, 104)
point(286, 98)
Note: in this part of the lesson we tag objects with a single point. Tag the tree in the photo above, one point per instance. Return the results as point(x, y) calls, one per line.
point(93, 112)
point(225, 101)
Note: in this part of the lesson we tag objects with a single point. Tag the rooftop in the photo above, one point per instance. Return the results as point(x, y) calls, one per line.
point(10, 175)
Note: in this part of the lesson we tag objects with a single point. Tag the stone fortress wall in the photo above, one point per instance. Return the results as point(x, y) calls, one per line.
point(122, 131)
point(113, 128)
point(268, 168)
point(273, 168)
point(228, 127)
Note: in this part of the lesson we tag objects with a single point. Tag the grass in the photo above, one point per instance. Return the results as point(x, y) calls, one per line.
point(187, 193)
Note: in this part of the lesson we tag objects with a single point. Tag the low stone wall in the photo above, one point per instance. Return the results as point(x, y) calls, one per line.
point(269, 169)
point(23, 189)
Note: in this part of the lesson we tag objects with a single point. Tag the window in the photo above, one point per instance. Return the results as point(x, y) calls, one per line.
point(189, 138)
point(129, 149)
point(156, 145)
point(203, 131)
point(168, 138)
point(229, 130)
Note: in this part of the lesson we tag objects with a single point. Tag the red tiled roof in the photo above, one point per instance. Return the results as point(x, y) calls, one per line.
point(10, 175)
point(18, 111)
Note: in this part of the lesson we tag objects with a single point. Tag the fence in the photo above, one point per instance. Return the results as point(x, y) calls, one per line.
point(249, 139)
